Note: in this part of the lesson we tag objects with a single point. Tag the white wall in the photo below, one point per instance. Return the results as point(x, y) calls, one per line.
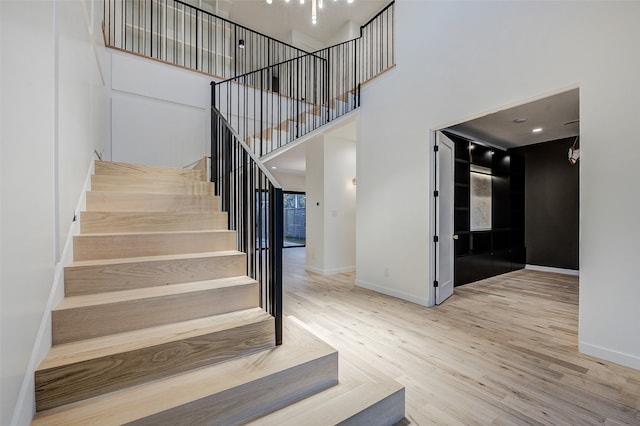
point(330, 169)
point(314, 181)
point(348, 31)
point(290, 181)
point(477, 57)
point(53, 113)
point(160, 114)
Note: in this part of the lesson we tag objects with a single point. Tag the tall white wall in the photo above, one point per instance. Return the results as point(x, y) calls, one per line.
point(457, 60)
point(330, 169)
point(53, 113)
point(160, 114)
point(314, 181)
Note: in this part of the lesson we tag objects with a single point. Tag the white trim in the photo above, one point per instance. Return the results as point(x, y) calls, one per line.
point(26, 404)
point(552, 269)
point(330, 271)
point(610, 355)
point(394, 293)
point(508, 106)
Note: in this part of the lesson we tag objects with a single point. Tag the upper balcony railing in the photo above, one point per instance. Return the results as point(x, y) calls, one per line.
point(277, 104)
point(175, 32)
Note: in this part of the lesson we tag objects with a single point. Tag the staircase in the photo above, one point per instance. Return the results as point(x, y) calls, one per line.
point(161, 325)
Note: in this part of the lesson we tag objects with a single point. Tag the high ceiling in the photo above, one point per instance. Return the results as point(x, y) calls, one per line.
point(557, 116)
point(279, 18)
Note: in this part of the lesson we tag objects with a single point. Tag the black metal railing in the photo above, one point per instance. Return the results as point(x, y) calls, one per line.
point(254, 202)
point(176, 32)
point(277, 104)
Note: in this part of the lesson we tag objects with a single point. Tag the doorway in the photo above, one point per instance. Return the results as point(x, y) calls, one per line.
point(295, 219)
point(500, 230)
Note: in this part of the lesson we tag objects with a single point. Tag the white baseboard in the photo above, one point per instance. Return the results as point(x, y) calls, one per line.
point(394, 293)
point(552, 269)
point(330, 271)
point(610, 355)
point(26, 404)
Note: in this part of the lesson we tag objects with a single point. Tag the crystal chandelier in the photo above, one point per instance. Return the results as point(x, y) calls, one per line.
point(315, 4)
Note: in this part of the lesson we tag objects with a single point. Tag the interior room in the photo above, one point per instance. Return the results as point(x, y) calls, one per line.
point(517, 189)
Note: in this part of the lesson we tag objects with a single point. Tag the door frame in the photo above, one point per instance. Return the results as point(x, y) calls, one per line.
point(434, 225)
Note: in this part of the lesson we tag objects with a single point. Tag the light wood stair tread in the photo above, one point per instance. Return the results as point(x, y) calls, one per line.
point(134, 403)
point(114, 221)
point(122, 167)
point(149, 292)
point(116, 234)
point(150, 201)
point(338, 405)
point(137, 244)
point(78, 351)
point(96, 262)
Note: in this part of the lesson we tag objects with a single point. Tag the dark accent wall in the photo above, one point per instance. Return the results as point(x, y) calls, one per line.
point(551, 203)
point(490, 252)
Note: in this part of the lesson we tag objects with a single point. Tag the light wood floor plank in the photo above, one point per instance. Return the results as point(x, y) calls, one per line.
point(502, 351)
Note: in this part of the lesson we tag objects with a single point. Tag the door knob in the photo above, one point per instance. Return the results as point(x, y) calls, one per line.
point(455, 236)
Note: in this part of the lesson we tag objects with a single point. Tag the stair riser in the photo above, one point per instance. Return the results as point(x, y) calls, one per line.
point(134, 175)
point(92, 247)
point(122, 169)
point(86, 322)
point(63, 385)
point(79, 280)
point(388, 411)
point(253, 399)
point(140, 202)
point(125, 184)
point(102, 222)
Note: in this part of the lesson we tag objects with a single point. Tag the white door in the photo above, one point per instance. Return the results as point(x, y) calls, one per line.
point(444, 217)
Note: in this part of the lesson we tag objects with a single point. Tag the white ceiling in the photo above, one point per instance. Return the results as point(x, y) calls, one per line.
point(556, 115)
point(293, 160)
point(279, 18)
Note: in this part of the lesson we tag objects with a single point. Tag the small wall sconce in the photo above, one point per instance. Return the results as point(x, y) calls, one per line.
point(241, 44)
point(354, 181)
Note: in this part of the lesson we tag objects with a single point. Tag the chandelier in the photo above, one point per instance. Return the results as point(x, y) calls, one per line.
point(315, 4)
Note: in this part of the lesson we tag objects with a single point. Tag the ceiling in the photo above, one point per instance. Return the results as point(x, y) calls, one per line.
point(558, 117)
point(293, 160)
point(279, 18)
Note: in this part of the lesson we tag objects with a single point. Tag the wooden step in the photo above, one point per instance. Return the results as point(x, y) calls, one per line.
point(129, 184)
point(229, 393)
point(115, 246)
point(375, 404)
point(94, 315)
point(101, 222)
point(149, 202)
point(84, 369)
point(95, 276)
point(118, 168)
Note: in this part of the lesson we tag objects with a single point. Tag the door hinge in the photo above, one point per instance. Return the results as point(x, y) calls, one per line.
point(435, 193)
point(435, 284)
point(435, 238)
point(436, 148)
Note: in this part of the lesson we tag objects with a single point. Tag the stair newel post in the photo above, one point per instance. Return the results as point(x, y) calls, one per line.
point(276, 205)
point(214, 141)
point(226, 178)
point(297, 98)
point(355, 70)
point(151, 29)
point(197, 28)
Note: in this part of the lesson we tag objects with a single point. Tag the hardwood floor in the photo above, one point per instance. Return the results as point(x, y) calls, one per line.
point(500, 351)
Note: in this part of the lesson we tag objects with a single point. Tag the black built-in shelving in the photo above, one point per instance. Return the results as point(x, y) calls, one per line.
point(486, 253)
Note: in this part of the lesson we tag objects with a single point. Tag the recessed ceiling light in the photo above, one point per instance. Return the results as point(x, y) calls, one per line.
point(273, 167)
point(520, 120)
point(537, 130)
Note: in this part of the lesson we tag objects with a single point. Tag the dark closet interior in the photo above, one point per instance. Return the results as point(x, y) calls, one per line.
point(498, 245)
